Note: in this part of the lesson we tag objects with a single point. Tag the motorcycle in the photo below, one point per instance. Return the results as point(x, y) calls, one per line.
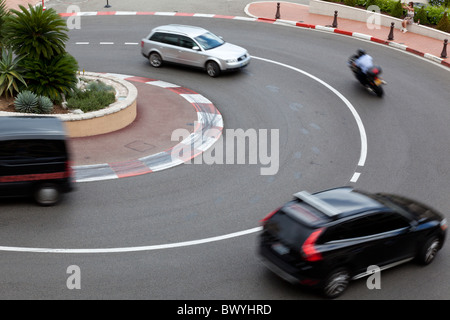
point(371, 80)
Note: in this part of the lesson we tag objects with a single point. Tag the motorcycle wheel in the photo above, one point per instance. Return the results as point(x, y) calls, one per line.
point(378, 91)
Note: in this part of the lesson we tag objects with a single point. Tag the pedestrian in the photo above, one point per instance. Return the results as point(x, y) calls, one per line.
point(409, 19)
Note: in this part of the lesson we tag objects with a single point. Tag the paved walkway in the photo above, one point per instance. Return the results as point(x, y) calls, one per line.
point(300, 13)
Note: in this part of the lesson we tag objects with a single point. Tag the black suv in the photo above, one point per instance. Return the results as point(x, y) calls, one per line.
point(328, 238)
point(34, 159)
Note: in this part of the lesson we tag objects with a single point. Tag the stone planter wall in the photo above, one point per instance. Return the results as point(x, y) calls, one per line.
point(115, 117)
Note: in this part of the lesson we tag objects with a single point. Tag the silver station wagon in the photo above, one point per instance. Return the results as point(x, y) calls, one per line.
point(192, 46)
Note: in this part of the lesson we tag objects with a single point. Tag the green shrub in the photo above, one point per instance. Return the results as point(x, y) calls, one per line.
point(90, 100)
point(435, 14)
point(421, 16)
point(99, 86)
point(397, 10)
point(26, 102)
point(51, 78)
point(371, 3)
point(350, 3)
point(45, 105)
point(444, 23)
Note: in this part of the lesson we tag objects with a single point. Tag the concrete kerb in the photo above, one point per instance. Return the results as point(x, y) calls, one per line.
point(207, 131)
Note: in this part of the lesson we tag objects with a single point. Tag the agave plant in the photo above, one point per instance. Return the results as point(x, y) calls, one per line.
point(26, 102)
point(35, 32)
point(10, 77)
point(45, 105)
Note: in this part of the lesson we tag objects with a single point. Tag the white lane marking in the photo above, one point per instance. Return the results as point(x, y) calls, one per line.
point(362, 130)
point(106, 42)
point(355, 177)
point(134, 249)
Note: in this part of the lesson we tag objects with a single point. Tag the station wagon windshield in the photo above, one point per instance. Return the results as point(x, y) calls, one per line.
point(209, 41)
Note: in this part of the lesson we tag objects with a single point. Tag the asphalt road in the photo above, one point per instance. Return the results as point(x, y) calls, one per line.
point(320, 146)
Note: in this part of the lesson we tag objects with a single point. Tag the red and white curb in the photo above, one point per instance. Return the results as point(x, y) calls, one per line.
point(207, 131)
point(266, 20)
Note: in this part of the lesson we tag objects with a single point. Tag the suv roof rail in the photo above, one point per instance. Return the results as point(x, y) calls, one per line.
point(317, 203)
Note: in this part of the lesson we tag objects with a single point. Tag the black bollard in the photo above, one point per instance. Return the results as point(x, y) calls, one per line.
point(391, 33)
point(107, 4)
point(334, 25)
point(277, 15)
point(444, 49)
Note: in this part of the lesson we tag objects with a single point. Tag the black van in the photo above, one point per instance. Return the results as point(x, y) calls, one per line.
point(34, 158)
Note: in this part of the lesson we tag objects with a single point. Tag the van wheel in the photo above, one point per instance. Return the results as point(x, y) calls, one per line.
point(212, 68)
point(47, 194)
point(336, 283)
point(155, 60)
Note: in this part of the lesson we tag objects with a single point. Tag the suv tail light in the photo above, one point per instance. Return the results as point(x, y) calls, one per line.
point(263, 221)
point(309, 251)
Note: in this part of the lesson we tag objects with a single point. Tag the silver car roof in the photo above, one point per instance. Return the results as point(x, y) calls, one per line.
point(190, 31)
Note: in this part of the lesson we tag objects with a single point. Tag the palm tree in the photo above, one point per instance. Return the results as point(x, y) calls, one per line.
point(37, 33)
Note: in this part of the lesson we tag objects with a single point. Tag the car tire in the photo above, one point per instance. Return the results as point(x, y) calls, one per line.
point(336, 283)
point(212, 68)
point(429, 251)
point(155, 60)
point(47, 194)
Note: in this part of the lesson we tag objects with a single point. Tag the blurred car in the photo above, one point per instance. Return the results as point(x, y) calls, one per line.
point(326, 239)
point(192, 46)
point(34, 159)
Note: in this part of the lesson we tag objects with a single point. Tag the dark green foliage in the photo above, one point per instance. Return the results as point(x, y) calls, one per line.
point(51, 78)
point(397, 10)
point(421, 16)
point(35, 33)
point(444, 23)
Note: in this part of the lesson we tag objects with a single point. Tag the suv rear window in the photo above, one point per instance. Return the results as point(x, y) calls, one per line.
point(294, 222)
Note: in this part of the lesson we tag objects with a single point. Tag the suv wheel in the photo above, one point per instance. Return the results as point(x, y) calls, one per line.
point(155, 60)
point(212, 68)
point(47, 194)
point(429, 250)
point(336, 283)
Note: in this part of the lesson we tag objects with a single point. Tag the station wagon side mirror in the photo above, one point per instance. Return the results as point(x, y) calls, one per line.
point(196, 48)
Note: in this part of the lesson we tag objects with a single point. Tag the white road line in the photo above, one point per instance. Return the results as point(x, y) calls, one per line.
point(81, 42)
point(106, 42)
point(134, 249)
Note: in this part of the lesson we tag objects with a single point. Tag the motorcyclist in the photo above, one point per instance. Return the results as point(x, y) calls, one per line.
point(363, 63)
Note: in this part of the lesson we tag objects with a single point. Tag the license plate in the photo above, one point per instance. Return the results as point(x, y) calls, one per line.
point(281, 249)
point(378, 81)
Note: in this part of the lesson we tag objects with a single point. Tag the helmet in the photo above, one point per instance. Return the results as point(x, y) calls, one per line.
point(361, 52)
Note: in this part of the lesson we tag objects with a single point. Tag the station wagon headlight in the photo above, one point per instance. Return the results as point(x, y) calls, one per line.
point(234, 60)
